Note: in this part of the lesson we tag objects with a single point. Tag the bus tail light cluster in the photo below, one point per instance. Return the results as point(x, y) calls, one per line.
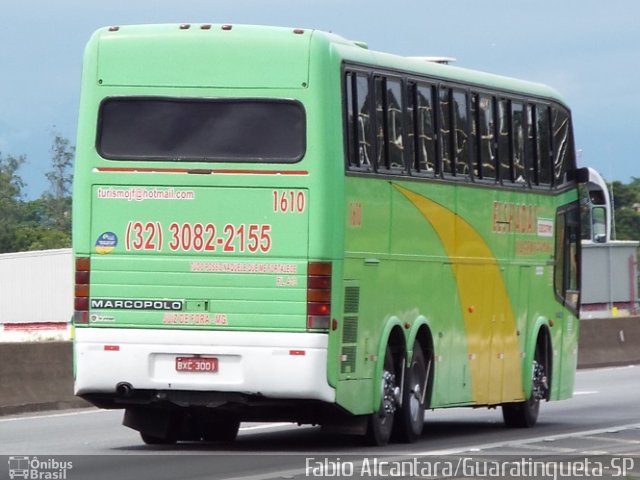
point(318, 295)
point(81, 300)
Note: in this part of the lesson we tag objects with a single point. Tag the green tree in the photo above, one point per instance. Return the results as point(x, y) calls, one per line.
point(11, 195)
point(43, 223)
point(626, 201)
point(60, 179)
point(624, 196)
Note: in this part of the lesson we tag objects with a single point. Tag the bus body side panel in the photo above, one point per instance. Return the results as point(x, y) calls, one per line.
point(472, 260)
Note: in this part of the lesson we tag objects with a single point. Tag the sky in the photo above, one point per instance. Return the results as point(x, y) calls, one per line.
point(588, 50)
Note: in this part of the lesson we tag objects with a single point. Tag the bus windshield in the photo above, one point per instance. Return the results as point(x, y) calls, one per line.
point(175, 129)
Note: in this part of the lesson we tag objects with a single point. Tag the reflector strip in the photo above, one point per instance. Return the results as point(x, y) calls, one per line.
point(81, 294)
point(199, 170)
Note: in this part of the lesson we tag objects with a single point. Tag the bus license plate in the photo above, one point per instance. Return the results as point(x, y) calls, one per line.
point(197, 364)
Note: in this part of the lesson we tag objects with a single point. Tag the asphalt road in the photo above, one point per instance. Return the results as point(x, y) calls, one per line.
point(603, 418)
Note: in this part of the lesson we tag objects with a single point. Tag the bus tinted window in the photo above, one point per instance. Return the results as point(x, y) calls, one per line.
point(381, 146)
point(487, 138)
point(351, 129)
point(395, 127)
point(151, 128)
point(389, 124)
point(421, 114)
point(451, 131)
point(504, 147)
point(561, 139)
point(517, 123)
point(365, 142)
point(461, 133)
point(544, 145)
point(531, 154)
point(445, 131)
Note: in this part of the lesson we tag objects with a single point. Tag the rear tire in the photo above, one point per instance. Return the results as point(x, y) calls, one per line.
point(409, 421)
point(380, 423)
point(525, 414)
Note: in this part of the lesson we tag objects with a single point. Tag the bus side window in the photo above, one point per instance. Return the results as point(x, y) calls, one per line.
point(530, 150)
point(517, 139)
point(473, 136)
point(461, 133)
point(365, 142)
point(561, 145)
point(487, 138)
point(445, 131)
point(395, 125)
point(543, 131)
point(389, 124)
point(382, 153)
point(351, 127)
point(504, 145)
point(358, 124)
point(567, 259)
point(420, 101)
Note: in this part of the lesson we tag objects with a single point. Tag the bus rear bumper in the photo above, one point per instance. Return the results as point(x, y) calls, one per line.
point(269, 364)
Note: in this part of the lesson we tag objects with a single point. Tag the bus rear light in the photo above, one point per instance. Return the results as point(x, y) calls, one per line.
point(83, 264)
point(316, 322)
point(81, 296)
point(318, 295)
point(319, 269)
point(82, 278)
point(226, 27)
point(320, 283)
point(81, 304)
point(82, 291)
point(314, 308)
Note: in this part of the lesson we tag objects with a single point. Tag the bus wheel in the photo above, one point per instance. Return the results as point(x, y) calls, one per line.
point(380, 423)
point(410, 418)
point(525, 414)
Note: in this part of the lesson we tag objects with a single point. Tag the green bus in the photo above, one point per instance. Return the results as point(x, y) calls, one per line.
point(275, 224)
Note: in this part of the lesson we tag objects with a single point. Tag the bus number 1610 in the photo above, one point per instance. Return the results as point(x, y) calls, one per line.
point(289, 201)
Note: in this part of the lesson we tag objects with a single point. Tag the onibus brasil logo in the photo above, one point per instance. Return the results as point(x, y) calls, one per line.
point(37, 469)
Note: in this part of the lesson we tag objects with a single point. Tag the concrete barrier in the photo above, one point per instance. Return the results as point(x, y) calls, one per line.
point(609, 341)
point(38, 376)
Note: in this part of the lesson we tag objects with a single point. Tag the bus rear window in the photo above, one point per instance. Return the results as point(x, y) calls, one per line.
point(201, 130)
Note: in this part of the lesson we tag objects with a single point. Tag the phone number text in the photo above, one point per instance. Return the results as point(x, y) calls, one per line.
point(198, 237)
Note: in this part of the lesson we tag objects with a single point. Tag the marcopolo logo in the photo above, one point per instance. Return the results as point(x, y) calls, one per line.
point(38, 469)
point(126, 304)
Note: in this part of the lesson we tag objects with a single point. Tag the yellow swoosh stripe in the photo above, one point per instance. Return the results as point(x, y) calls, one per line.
point(491, 334)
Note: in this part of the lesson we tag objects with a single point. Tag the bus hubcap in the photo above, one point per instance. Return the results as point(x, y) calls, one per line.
point(540, 383)
point(390, 394)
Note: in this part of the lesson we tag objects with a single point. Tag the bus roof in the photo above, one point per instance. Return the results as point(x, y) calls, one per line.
point(263, 57)
point(430, 67)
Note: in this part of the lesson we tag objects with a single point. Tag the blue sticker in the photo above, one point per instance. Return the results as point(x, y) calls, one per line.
point(106, 242)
